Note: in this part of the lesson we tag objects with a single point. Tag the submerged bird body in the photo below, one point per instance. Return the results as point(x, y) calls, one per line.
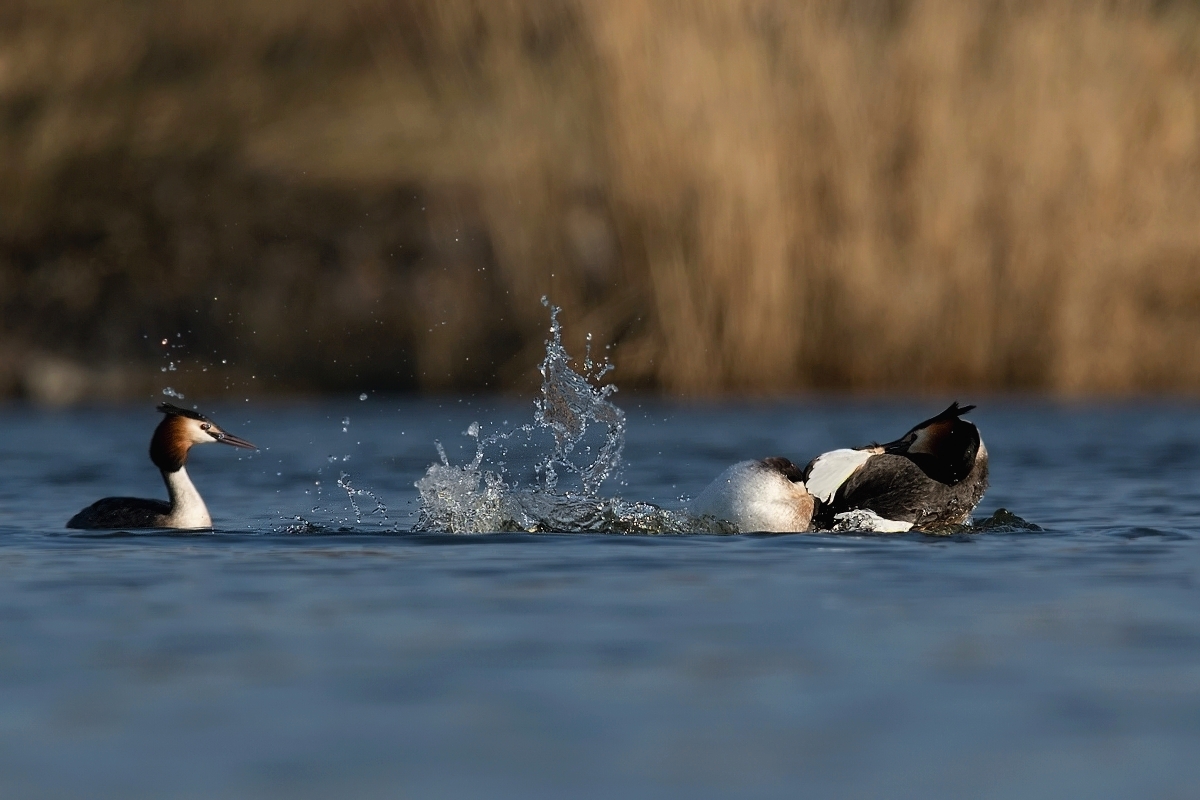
point(932, 477)
point(766, 495)
point(179, 431)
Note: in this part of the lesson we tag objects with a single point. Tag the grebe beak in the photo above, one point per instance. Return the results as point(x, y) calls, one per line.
point(898, 447)
point(229, 438)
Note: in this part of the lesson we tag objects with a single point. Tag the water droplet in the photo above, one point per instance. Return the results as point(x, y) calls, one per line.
point(169, 392)
point(362, 396)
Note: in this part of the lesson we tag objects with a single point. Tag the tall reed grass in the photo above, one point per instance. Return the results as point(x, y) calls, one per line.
point(746, 196)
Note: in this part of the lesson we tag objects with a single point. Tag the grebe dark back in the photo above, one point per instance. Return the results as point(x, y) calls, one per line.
point(931, 477)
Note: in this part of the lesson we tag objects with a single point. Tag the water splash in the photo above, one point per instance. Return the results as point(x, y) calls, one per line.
point(343, 482)
point(862, 521)
point(569, 403)
point(475, 498)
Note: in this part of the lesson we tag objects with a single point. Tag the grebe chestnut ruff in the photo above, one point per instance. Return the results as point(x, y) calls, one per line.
point(173, 438)
point(932, 477)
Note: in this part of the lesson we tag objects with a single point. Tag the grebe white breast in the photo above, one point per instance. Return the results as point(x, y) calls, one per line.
point(179, 431)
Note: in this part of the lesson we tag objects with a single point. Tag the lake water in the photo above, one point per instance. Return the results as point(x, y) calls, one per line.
point(336, 656)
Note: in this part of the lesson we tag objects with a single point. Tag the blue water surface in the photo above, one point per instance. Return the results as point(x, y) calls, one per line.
point(339, 655)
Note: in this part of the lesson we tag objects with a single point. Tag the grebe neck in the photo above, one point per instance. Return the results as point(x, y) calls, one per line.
point(187, 507)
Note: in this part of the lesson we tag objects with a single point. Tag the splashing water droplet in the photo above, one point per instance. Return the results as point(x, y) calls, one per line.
point(362, 396)
point(470, 498)
point(569, 403)
point(351, 493)
point(169, 392)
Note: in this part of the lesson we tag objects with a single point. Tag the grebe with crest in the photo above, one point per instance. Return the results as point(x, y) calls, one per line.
point(932, 477)
point(178, 432)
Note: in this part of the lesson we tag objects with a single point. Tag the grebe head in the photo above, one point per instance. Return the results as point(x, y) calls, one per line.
point(945, 446)
point(182, 428)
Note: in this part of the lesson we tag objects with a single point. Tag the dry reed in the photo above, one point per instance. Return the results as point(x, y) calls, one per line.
point(742, 196)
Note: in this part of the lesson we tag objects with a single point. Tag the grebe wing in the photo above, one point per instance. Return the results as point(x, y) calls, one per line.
point(828, 472)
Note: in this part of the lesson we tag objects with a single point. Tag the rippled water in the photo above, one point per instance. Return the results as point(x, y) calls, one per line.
point(259, 661)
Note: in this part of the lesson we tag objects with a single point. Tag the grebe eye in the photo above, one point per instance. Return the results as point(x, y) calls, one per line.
point(204, 426)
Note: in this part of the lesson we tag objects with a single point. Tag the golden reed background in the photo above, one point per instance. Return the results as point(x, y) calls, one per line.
point(745, 196)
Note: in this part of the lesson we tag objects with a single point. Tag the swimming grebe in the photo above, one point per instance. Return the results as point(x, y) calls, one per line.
point(173, 438)
point(931, 477)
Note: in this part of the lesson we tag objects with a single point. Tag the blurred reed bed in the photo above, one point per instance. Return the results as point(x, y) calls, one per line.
point(751, 196)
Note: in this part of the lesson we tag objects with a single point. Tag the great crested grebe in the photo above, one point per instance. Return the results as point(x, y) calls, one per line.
point(173, 438)
point(932, 477)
